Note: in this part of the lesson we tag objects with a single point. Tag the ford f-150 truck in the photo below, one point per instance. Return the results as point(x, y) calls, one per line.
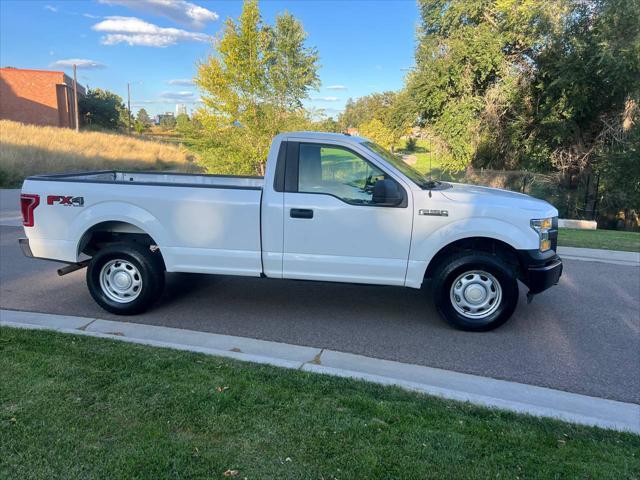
point(330, 207)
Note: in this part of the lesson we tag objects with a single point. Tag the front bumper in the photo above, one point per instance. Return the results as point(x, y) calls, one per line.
point(539, 270)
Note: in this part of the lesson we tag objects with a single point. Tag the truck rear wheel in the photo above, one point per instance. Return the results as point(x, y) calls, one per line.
point(125, 278)
point(475, 291)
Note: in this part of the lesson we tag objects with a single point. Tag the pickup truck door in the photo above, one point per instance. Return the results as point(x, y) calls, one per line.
point(333, 229)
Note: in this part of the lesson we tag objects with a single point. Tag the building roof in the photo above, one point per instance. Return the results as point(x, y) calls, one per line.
point(65, 78)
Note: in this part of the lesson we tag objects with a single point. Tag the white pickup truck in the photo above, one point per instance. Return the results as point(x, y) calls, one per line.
point(330, 207)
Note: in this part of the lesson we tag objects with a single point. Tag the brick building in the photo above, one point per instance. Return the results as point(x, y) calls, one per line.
point(39, 97)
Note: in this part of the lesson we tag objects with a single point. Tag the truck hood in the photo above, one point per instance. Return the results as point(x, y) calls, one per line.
point(486, 196)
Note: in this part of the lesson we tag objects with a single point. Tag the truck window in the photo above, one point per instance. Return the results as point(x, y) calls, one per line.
point(336, 171)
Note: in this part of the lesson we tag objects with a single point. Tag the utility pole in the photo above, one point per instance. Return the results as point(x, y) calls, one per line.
point(75, 98)
point(129, 106)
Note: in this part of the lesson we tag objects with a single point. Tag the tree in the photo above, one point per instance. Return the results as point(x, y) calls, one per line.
point(253, 87)
point(326, 124)
point(366, 108)
point(525, 84)
point(376, 131)
point(168, 122)
point(143, 117)
point(471, 59)
point(139, 127)
point(292, 67)
point(393, 112)
point(102, 108)
point(182, 121)
point(587, 78)
point(543, 86)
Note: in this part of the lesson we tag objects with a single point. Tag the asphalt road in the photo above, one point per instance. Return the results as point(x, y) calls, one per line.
point(582, 336)
point(10, 207)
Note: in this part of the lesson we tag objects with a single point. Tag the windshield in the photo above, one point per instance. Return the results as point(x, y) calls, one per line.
point(406, 169)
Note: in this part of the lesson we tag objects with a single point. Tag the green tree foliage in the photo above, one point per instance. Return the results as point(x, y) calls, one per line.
point(253, 86)
point(102, 108)
point(525, 83)
point(325, 124)
point(378, 132)
point(386, 115)
point(142, 122)
point(183, 122)
point(139, 127)
point(168, 122)
point(465, 49)
point(365, 109)
point(143, 117)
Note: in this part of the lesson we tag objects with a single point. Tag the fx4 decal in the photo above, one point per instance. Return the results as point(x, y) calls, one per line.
point(67, 200)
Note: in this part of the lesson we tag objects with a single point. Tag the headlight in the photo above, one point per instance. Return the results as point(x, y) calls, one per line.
point(542, 226)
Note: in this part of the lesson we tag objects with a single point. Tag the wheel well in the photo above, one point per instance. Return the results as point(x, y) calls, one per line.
point(484, 244)
point(106, 233)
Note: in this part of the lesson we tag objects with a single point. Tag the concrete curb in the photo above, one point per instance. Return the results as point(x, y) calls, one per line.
point(488, 392)
point(597, 255)
point(578, 224)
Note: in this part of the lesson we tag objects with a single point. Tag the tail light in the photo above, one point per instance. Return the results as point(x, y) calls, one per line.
point(28, 204)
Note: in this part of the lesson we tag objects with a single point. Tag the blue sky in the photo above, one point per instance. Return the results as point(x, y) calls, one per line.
point(365, 46)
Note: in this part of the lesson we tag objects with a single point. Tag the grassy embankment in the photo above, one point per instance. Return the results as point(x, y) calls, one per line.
point(27, 150)
point(78, 407)
point(606, 239)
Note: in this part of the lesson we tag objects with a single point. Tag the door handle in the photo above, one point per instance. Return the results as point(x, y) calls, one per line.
point(301, 213)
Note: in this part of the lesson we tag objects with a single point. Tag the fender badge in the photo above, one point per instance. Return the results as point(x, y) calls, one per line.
point(434, 213)
point(67, 200)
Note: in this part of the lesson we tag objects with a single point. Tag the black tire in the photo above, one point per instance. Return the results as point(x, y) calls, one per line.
point(473, 263)
point(147, 268)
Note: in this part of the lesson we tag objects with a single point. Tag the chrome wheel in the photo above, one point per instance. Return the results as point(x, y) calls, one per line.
point(120, 281)
point(476, 294)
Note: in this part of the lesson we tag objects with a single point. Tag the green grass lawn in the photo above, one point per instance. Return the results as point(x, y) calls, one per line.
point(77, 407)
point(426, 160)
point(607, 239)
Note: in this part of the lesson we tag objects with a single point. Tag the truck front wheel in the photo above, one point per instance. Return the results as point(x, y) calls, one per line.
point(125, 278)
point(475, 291)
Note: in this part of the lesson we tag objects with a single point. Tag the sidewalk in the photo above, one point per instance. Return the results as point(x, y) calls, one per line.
point(599, 255)
point(488, 392)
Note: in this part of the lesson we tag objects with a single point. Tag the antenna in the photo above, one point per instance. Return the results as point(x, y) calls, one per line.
point(430, 160)
point(129, 107)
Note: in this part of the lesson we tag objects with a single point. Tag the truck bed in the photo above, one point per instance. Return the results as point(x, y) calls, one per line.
point(202, 223)
point(157, 178)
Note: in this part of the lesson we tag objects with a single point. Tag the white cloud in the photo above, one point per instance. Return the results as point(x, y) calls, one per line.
point(80, 63)
point(182, 97)
point(89, 15)
point(336, 87)
point(51, 8)
point(135, 31)
point(180, 11)
point(185, 82)
point(325, 99)
point(181, 94)
point(167, 101)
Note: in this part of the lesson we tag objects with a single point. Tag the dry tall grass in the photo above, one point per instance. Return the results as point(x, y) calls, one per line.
point(27, 150)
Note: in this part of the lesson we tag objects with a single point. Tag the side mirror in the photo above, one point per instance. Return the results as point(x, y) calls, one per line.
point(387, 193)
